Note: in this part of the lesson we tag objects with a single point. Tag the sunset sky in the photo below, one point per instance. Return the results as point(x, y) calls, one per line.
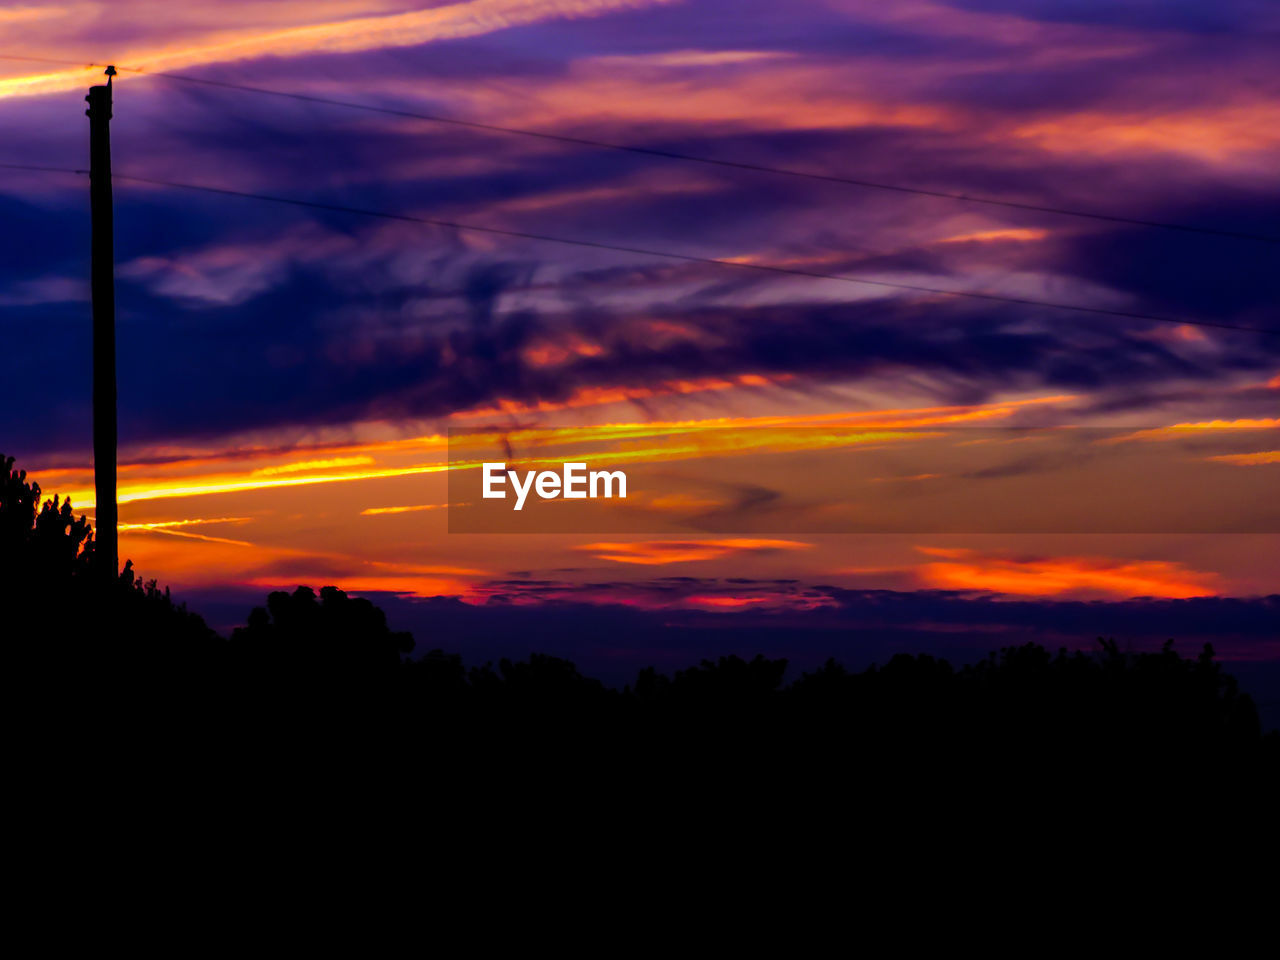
point(289, 376)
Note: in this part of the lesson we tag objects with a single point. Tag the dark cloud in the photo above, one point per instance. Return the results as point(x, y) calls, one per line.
point(1238, 16)
point(310, 351)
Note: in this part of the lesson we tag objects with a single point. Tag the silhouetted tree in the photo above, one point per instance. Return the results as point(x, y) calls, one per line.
point(40, 541)
point(55, 609)
point(335, 634)
point(319, 672)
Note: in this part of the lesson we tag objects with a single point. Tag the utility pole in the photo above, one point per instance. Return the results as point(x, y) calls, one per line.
point(106, 550)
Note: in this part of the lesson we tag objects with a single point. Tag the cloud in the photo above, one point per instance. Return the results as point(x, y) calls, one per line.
point(238, 316)
point(1219, 427)
point(959, 569)
point(346, 35)
point(663, 593)
point(417, 508)
point(1248, 459)
point(323, 356)
point(661, 552)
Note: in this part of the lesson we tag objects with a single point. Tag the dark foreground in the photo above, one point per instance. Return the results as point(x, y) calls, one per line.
point(125, 673)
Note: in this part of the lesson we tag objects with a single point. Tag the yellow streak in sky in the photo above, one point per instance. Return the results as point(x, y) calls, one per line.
point(868, 419)
point(454, 21)
point(165, 524)
point(187, 535)
point(711, 437)
point(166, 527)
point(314, 465)
point(378, 511)
point(135, 494)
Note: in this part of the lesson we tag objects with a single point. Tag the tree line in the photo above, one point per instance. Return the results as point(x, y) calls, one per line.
point(330, 662)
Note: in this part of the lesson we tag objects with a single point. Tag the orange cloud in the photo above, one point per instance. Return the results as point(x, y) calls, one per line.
point(1054, 576)
point(654, 595)
point(1215, 133)
point(659, 552)
point(783, 93)
point(1184, 429)
point(1248, 459)
point(728, 603)
point(1020, 234)
point(1181, 333)
point(918, 476)
point(552, 354)
point(419, 508)
point(410, 584)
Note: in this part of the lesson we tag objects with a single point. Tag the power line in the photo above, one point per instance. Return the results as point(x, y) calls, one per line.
point(687, 258)
point(711, 161)
point(64, 63)
point(37, 168)
point(676, 155)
